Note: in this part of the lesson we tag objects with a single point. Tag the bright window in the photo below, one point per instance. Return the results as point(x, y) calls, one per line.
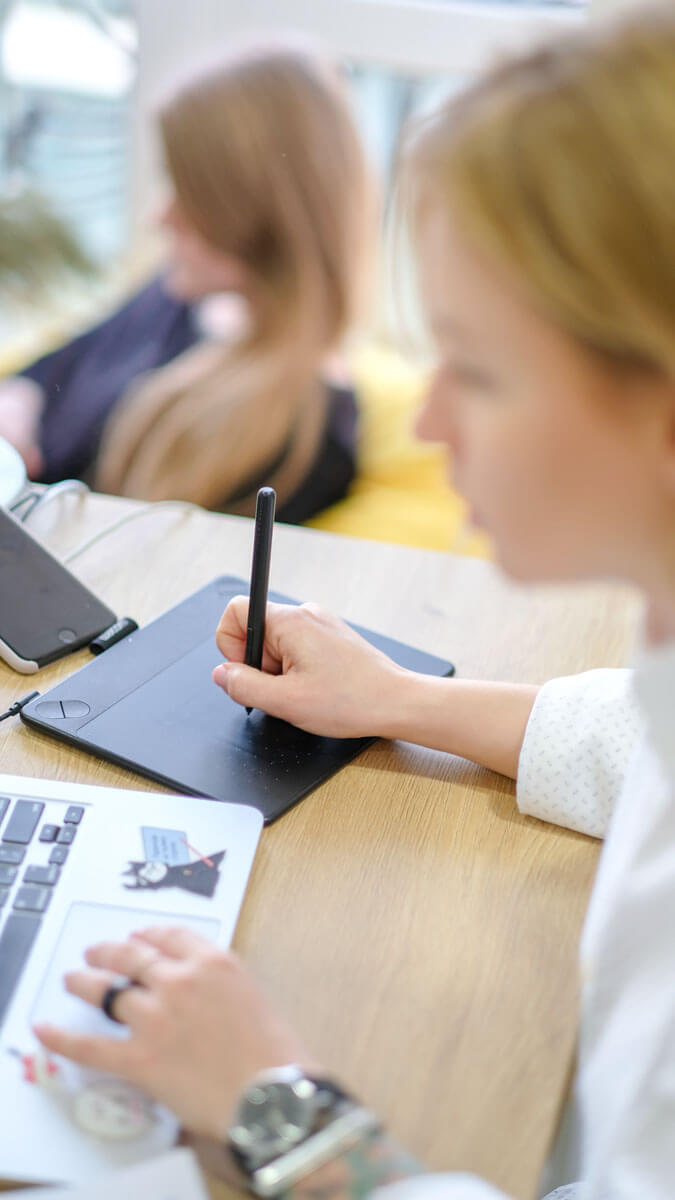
point(67, 72)
point(73, 74)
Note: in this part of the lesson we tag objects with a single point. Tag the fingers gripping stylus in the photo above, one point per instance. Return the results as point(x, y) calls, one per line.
point(260, 574)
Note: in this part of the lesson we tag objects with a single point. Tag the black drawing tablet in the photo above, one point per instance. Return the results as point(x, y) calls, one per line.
point(149, 704)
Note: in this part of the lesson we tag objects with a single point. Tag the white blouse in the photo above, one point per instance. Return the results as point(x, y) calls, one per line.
point(599, 756)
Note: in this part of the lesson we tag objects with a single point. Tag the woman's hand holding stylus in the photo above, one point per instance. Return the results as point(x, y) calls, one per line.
point(316, 672)
point(319, 674)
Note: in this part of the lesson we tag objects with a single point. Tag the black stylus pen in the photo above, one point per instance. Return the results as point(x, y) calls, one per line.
point(260, 575)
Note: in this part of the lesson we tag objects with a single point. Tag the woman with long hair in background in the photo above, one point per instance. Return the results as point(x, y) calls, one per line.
point(218, 377)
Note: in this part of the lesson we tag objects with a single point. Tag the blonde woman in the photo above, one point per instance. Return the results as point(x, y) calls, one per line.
point(544, 206)
point(214, 379)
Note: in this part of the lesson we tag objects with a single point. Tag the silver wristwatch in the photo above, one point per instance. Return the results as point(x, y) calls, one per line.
point(288, 1124)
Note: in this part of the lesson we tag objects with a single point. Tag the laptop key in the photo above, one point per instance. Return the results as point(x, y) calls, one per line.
point(12, 854)
point(46, 875)
point(66, 835)
point(16, 940)
point(58, 856)
point(4, 805)
point(8, 875)
point(31, 899)
point(74, 814)
point(4, 893)
point(49, 833)
point(23, 822)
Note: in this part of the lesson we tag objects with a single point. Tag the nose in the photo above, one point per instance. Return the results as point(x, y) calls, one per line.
point(166, 212)
point(435, 421)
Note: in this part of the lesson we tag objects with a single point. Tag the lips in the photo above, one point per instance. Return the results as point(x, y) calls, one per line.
point(474, 518)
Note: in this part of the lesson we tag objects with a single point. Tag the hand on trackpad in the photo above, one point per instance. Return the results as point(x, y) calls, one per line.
point(86, 925)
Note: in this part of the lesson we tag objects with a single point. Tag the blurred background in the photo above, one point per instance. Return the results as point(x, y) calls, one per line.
point(79, 169)
point(78, 79)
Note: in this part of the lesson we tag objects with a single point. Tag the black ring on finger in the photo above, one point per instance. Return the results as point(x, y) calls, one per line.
point(110, 996)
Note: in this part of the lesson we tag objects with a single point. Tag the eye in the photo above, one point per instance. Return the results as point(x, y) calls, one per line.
point(473, 377)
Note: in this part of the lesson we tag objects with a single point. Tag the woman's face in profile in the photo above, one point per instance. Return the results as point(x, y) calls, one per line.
point(196, 269)
point(544, 441)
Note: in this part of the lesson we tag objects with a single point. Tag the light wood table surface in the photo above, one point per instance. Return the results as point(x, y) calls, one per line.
point(416, 929)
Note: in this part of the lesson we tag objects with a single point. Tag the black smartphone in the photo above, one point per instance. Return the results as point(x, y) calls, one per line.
point(45, 612)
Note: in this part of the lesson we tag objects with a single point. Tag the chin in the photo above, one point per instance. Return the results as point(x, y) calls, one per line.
point(181, 286)
point(524, 566)
point(530, 568)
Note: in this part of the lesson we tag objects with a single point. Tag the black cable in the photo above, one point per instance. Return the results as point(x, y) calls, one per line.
point(18, 705)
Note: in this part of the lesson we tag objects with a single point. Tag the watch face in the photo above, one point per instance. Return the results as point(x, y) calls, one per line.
point(274, 1117)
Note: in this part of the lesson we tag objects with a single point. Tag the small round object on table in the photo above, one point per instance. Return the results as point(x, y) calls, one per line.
point(113, 1110)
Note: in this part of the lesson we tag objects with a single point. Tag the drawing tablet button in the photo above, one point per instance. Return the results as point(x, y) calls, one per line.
point(67, 636)
point(75, 708)
point(51, 709)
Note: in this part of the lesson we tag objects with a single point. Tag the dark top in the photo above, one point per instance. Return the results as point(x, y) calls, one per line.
point(84, 380)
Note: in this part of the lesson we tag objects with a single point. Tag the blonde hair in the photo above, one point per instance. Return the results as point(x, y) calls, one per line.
point(559, 166)
point(267, 166)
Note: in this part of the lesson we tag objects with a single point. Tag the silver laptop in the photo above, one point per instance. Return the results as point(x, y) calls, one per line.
point(79, 865)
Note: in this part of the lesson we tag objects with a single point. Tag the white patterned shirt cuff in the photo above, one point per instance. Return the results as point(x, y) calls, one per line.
point(579, 741)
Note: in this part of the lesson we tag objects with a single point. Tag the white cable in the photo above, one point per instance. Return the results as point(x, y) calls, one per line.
point(55, 490)
point(152, 507)
point(37, 499)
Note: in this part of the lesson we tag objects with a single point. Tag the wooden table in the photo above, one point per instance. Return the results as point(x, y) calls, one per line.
point(417, 930)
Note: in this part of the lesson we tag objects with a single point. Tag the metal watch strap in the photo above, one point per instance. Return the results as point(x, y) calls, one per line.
point(340, 1134)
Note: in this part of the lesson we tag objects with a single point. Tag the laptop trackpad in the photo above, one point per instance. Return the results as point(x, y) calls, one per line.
point(86, 925)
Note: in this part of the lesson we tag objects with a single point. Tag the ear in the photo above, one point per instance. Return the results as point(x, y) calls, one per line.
point(669, 438)
point(651, 416)
point(658, 398)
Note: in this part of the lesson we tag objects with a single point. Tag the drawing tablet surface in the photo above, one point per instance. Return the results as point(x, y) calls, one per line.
point(149, 704)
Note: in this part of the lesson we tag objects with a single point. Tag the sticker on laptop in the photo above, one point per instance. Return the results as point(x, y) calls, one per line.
point(105, 1108)
point(113, 1110)
point(171, 862)
point(38, 1067)
point(165, 845)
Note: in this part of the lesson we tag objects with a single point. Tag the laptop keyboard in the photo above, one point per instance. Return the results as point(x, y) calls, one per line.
point(32, 854)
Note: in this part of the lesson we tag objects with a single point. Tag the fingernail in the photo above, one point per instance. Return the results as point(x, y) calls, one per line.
point(220, 676)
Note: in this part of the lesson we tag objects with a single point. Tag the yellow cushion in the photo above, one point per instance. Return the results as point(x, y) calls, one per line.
point(401, 493)
point(26, 347)
point(11, 361)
